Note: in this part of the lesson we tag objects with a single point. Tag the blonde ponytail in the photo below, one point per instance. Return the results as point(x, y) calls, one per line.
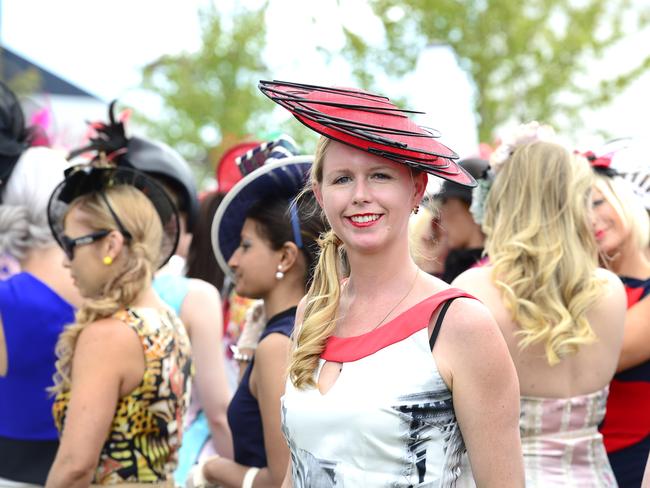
point(319, 319)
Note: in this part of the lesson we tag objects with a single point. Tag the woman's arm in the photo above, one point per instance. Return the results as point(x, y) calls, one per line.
point(107, 357)
point(636, 338)
point(270, 371)
point(473, 357)
point(201, 313)
point(288, 481)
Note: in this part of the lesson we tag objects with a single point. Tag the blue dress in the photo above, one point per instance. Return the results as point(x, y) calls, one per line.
point(244, 415)
point(33, 316)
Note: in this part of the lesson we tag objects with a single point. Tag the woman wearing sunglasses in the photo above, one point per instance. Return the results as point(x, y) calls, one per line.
point(36, 300)
point(124, 365)
point(196, 302)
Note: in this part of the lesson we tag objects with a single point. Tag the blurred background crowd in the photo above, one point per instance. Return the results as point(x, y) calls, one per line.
point(185, 80)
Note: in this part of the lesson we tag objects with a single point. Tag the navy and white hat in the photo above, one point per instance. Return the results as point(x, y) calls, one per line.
point(280, 176)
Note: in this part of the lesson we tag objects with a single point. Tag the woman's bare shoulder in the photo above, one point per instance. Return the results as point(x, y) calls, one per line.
point(472, 277)
point(109, 335)
point(611, 279)
point(613, 301)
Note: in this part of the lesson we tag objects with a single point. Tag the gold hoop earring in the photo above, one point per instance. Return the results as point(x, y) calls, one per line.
point(107, 260)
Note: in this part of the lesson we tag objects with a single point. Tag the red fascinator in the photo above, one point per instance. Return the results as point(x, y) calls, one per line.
point(368, 122)
point(227, 172)
point(599, 163)
point(603, 159)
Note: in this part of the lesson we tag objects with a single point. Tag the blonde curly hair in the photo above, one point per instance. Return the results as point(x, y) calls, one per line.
point(141, 253)
point(541, 246)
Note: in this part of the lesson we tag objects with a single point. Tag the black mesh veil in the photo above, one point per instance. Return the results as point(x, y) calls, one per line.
point(88, 178)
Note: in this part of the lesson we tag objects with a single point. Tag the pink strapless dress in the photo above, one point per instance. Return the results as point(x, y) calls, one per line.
point(561, 442)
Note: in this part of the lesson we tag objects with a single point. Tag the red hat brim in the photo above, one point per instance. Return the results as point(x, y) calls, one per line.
point(368, 122)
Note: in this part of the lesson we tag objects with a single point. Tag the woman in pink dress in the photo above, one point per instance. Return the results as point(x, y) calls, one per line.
point(561, 315)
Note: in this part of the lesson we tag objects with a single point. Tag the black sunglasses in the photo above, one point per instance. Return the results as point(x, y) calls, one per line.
point(69, 244)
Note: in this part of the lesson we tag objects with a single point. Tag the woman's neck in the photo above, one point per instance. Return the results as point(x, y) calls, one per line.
point(46, 264)
point(370, 274)
point(148, 298)
point(281, 298)
point(631, 261)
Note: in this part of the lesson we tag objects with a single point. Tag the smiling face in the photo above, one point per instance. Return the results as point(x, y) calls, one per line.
point(610, 230)
point(254, 263)
point(367, 199)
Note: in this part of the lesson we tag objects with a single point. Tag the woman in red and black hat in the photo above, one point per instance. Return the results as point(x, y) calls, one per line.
point(396, 377)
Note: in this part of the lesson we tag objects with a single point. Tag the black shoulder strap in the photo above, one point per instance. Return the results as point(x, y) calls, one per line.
point(436, 328)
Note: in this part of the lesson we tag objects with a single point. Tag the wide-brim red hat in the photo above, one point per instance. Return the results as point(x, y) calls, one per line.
point(368, 122)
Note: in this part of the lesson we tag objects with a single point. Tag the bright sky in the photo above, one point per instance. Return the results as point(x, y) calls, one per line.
point(101, 46)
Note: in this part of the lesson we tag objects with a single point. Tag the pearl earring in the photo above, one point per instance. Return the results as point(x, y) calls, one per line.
point(279, 274)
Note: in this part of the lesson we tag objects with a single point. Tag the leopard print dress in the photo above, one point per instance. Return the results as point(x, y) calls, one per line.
point(145, 434)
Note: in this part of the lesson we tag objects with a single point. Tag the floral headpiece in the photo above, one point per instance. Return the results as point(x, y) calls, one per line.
point(524, 134)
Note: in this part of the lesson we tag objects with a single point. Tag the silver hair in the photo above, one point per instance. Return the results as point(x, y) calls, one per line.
point(23, 212)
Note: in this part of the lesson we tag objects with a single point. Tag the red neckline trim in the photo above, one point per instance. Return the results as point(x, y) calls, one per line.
point(348, 349)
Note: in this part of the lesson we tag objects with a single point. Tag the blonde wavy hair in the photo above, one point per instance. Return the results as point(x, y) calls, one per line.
point(135, 272)
point(541, 246)
point(322, 301)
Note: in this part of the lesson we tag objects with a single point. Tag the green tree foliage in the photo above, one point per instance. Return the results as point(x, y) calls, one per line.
point(210, 97)
point(528, 59)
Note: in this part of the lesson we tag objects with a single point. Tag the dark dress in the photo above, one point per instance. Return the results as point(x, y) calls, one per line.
point(244, 414)
point(626, 428)
point(459, 260)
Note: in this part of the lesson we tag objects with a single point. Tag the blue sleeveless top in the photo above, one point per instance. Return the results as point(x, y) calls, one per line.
point(244, 415)
point(33, 316)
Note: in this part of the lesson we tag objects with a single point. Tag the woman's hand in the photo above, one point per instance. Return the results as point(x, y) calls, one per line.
point(196, 476)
